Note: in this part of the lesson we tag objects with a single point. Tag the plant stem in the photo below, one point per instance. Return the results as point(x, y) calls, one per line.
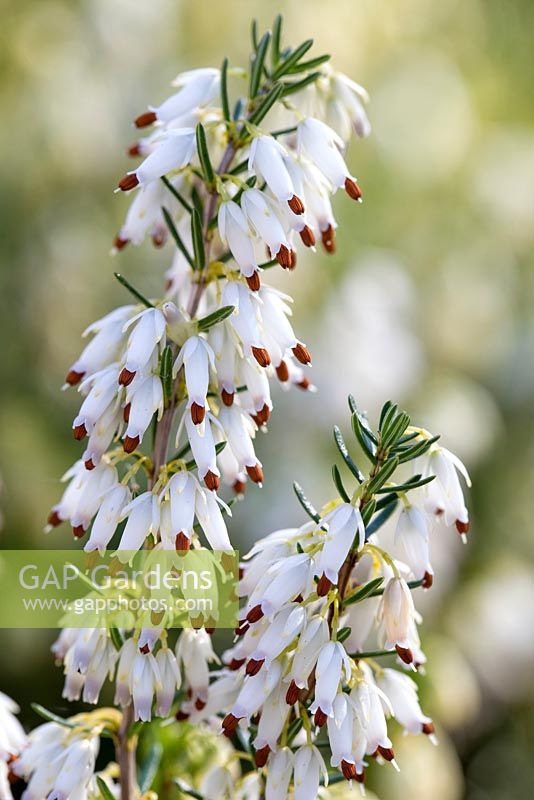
point(126, 748)
point(126, 756)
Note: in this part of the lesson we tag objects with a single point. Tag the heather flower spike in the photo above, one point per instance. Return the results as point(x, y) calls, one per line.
point(328, 625)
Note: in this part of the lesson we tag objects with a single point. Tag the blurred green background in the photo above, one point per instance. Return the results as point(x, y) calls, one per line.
point(428, 301)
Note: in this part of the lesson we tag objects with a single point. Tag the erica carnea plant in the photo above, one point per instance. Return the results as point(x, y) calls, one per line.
point(173, 390)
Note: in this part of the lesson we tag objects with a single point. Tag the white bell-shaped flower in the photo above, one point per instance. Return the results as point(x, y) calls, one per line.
point(332, 666)
point(170, 681)
point(345, 532)
point(279, 774)
point(322, 145)
point(107, 518)
point(203, 449)
point(196, 356)
point(268, 159)
point(280, 633)
point(262, 217)
point(236, 232)
point(145, 338)
point(103, 390)
point(401, 692)
point(144, 399)
point(395, 614)
point(104, 347)
point(308, 767)
point(311, 641)
point(142, 515)
point(174, 151)
point(239, 431)
point(411, 535)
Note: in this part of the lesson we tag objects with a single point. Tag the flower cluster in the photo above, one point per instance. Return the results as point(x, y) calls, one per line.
point(323, 602)
point(58, 761)
point(173, 391)
point(12, 740)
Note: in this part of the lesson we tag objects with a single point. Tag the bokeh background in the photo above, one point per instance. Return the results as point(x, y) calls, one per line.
point(429, 301)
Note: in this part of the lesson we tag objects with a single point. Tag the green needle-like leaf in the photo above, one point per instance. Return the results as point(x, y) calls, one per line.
point(225, 103)
point(104, 789)
point(51, 717)
point(304, 66)
point(205, 323)
point(203, 155)
point(149, 768)
point(294, 728)
point(380, 519)
point(292, 59)
point(297, 86)
point(305, 503)
point(138, 296)
point(267, 103)
point(384, 474)
point(165, 373)
point(176, 236)
point(256, 65)
point(336, 476)
point(198, 241)
point(172, 189)
point(342, 447)
point(277, 38)
point(189, 792)
point(367, 512)
point(401, 488)
point(364, 591)
point(343, 634)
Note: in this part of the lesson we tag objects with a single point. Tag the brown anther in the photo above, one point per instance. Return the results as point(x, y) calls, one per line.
point(304, 384)
point(284, 257)
point(360, 776)
point(134, 150)
point(239, 486)
point(253, 281)
point(262, 356)
point(328, 238)
point(242, 628)
point(254, 666)
point(296, 205)
point(126, 377)
point(320, 718)
point(462, 527)
point(257, 419)
point(352, 189)
point(302, 354)
point(146, 119)
point(212, 481)
point(428, 580)
point(145, 649)
point(181, 716)
point(78, 531)
point(118, 243)
point(293, 263)
point(198, 413)
point(282, 372)
point(182, 543)
point(261, 756)
point(89, 464)
point(130, 181)
point(229, 724)
point(298, 599)
point(200, 704)
point(292, 694)
point(130, 443)
point(236, 663)
point(255, 473)
point(348, 770)
point(264, 413)
point(73, 377)
point(386, 752)
point(404, 653)
point(323, 586)
point(54, 519)
point(159, 238)
point(227, 397)
point(80, 432)
point(255, 614)
point(126, 412)
point(428, 728)
point(307, 236)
